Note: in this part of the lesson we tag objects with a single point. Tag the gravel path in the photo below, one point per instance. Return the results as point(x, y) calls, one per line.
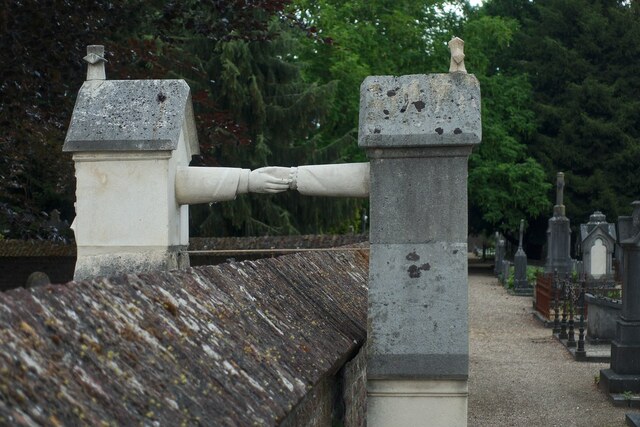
point(521, 376)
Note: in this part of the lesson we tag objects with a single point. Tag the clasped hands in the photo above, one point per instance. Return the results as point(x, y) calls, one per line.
point(272, 179)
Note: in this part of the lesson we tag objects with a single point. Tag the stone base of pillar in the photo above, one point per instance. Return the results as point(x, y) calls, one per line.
point(625, 358)
point(613, 383)
point(417, 402)
point(126, 260)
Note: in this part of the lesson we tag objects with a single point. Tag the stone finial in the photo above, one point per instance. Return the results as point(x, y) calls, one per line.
point(559, 209)
point(95, 59)
point(597, 217)
point(456, 46)
point(521, 233)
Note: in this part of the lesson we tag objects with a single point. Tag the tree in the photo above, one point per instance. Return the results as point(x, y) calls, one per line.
point(41, 46)
point(577, 56)
point(407, 37)
point(505, 183)
point(253, 108)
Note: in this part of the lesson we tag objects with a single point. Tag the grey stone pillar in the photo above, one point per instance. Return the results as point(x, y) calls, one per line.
point(520, 282)
point(559, 235)
point(500, 252)
point(624, 374)
point(418, 132)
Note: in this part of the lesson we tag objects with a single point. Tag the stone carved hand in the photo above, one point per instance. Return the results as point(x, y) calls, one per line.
point(270, 179)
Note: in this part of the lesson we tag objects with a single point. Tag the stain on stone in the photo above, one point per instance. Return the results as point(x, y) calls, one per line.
point(161, 97)
point(406, 103)
point(391, 93)
point(376, 130)
point(455, 251)
point(414, 272)
point(413, 256)
point(457, 131)
point(439, 131)
point(419, 105)
point(386, 112)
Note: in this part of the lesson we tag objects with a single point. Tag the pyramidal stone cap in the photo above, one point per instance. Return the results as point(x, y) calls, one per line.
point(420, 110)
point(131, 115)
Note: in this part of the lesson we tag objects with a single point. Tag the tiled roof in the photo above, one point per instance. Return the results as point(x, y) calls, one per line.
point(235, 344)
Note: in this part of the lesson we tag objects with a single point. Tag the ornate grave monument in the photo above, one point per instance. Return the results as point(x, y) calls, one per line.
point(132, 142)
point(559, 235)
point(597, 242)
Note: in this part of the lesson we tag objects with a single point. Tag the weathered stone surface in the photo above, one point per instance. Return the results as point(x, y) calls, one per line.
point(122, 115)
point(418, 110)
point(418, 132)
point(237, 344)
point(418, 312)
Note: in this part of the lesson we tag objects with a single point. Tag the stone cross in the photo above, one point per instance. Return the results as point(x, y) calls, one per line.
point(521, 233)
point(560, 189)
point(95, 59)
point(456, 46)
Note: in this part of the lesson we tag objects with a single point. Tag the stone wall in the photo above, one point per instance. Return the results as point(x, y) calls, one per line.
point(246, 343)
point(18, 259)
point(338, 400)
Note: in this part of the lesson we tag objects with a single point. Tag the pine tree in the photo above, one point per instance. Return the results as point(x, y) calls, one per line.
point(578, 56)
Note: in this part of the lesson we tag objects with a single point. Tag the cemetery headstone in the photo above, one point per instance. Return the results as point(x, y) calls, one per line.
point(500, 252)
point(520, 282)
point(505, 272)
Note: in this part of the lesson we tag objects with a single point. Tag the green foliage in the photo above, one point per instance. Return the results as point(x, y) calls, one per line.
point(532, 273)
point(354, 39)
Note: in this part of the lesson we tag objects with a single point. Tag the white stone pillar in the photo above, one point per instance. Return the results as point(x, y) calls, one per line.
point(128, 138)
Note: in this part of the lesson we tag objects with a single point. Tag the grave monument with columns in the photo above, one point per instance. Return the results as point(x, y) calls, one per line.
point(132, 142)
